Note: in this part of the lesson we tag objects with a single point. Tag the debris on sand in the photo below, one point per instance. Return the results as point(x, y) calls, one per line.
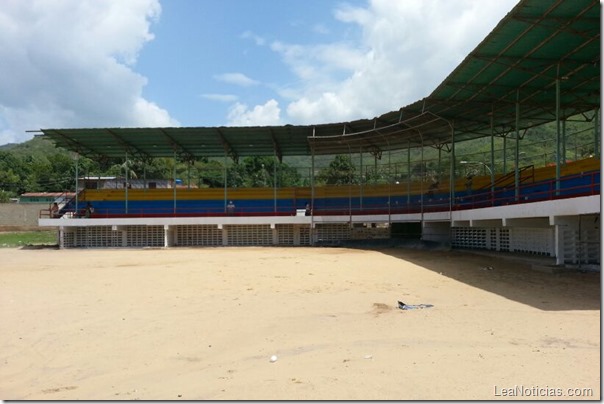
point(404, 306)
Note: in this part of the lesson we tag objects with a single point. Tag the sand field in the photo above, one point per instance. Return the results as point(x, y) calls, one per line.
point(202, 324)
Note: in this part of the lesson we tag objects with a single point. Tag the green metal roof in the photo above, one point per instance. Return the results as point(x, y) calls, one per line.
point(517, 64)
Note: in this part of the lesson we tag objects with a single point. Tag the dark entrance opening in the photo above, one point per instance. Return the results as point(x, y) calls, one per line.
point(407, 231)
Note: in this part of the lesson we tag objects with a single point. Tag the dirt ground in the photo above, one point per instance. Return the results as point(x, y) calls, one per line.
point(203, 323)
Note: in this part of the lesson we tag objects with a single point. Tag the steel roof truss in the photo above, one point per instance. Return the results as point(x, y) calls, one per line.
point(228, 149)
point(181, 151)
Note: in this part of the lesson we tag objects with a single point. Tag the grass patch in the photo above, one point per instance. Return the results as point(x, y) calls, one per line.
point(24, 238)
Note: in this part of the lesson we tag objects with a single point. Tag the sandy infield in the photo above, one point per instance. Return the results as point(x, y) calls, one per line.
point(203, 323)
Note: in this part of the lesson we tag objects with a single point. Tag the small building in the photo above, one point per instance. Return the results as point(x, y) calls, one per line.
point(45, 197)
point(100, 182)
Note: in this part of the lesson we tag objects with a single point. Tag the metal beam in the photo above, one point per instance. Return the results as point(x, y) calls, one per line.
point(128, 147)
point(77, 146)
point(185, 154)
point(228, 149)
point(276, 146)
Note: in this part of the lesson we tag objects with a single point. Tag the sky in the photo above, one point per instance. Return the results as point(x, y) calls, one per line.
point(152, 63)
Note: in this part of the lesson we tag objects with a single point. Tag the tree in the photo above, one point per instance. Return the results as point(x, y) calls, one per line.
point(209, 173)
point(10, 178)
point(9, 182)
point(258, 171)
point(341, 171)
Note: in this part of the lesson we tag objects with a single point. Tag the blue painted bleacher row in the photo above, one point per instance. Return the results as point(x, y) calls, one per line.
point(570, 186)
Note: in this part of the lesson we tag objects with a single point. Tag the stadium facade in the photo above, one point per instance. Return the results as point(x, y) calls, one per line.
point(540, 64)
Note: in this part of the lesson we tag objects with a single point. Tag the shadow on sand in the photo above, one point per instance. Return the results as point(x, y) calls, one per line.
point(40, 247)
point(509, 275)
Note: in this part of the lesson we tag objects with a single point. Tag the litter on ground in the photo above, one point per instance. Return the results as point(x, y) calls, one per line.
point(404, 306)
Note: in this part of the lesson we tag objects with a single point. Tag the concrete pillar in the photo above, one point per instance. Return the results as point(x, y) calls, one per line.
point(275, 234)
point(565, 244)
point(225, 235)
point(296, 235)
point(61, 237)
point(169, 236)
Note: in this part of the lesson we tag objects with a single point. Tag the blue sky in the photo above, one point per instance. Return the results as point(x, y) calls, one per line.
point(223, 49)
point(116, 63)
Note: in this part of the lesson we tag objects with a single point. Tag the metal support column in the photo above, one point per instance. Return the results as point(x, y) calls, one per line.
point(421, 181)
point(77, 182)
point(597, 133)
point(389, 190)
point(126, 185)
point(408, 173)
point(452, 173)
point(505, 153)
point(517, 150)
point(361, 181)
point(492, 162)
point(563, 141)
point(174, 179)
point(558, 150)
point(439, 166)
point(312, 195)
point(350, 180)
point(224, 177)
point(275, 160)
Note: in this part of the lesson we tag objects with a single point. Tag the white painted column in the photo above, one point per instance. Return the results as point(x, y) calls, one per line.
point(168, 236)
point(565, 250)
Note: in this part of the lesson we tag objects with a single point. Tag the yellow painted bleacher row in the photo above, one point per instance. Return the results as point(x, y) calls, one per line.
point(167, 194)
point(539, 174)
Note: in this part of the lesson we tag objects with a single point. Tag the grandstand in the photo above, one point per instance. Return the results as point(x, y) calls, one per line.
point(540, 64)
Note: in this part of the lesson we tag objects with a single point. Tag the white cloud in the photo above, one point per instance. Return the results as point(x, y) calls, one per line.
point(258, 40)
point(319, 63)
point(221, 97)
point(407, 48)
point(238, 79)
point(260, 115)
point(69, 63)
point(320, 29)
